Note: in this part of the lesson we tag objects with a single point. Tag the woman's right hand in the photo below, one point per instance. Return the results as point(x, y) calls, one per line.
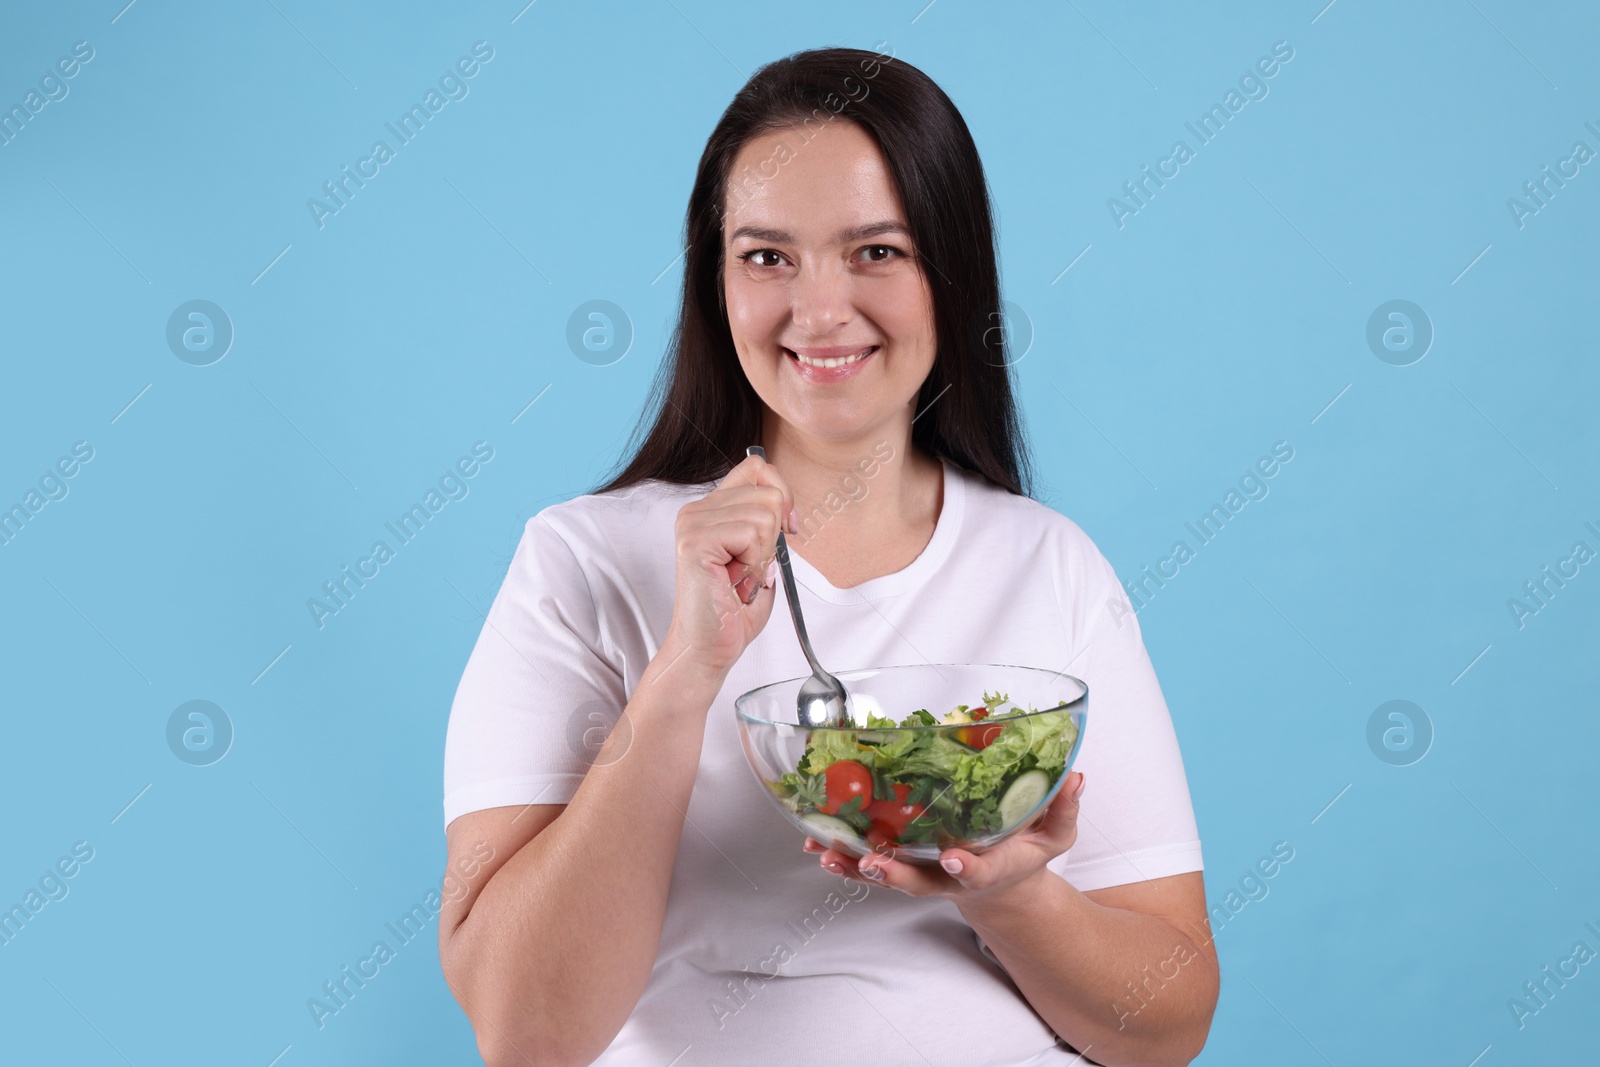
point(726, 566)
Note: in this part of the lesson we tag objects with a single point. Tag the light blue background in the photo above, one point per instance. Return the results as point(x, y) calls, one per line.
point(1224, 316)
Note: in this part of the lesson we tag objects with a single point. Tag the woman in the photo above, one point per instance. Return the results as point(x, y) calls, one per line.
point(627, 895)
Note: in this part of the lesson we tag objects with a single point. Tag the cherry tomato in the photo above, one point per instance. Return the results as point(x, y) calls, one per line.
point(979, 737)
point(891, 817)
point(846, 780)
point(979, 712)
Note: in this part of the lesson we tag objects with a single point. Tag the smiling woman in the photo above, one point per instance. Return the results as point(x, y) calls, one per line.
point(900, 166)
point(836, 309)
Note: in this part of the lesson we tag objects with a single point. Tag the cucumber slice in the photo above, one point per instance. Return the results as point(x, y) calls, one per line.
point(1022, 798)
point(833, 832)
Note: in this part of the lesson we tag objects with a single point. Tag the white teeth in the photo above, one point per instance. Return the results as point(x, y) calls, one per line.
point(837, 362)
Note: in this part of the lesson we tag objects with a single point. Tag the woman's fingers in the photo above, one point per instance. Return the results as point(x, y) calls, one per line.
point(743, 539)
point(918, 880)
point(752, 492)
point(832, 860)
point(787, 516)
point(1024, 853)
point(725, 530)
point(1059, 827)
point(725, 542)
point(754, 472)
point(882, 869)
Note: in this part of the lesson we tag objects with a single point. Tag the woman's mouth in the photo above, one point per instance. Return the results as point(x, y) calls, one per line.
point(830, 364)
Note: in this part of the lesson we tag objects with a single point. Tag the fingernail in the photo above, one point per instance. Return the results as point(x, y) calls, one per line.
point(874, 872)
point(834, 867)
point(772, 571)
point(794, 521)
point(1079, 787)
point(952, 864)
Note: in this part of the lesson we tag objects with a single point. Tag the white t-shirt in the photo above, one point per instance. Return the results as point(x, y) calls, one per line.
point(764, 956)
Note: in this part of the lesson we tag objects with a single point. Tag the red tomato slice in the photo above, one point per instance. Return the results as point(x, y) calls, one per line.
point(890, 817)
point(979, 737)
point(844, 781)
point(979, 712)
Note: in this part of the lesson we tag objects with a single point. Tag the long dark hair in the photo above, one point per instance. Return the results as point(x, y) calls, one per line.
point(705, 409)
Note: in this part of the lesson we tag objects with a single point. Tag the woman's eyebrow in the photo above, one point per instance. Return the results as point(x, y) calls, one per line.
point(871, 229)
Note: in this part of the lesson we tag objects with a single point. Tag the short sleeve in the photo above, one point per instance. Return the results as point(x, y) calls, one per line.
point(538, 687)
point(1136, 821)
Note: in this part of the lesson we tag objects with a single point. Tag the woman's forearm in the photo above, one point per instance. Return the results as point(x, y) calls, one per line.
point(558, 946)
point(1123, 987)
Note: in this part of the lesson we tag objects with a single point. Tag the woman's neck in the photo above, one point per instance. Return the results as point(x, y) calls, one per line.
point(866, 508)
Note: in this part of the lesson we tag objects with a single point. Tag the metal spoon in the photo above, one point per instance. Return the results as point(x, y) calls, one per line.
point(822, 698)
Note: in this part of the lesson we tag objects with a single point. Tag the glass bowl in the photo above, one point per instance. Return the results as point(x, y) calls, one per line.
point(912, 791)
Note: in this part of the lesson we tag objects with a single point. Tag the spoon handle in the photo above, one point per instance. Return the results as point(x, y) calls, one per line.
point(789, 589)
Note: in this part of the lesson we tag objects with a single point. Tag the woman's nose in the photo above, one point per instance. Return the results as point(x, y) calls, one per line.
point(822, 299)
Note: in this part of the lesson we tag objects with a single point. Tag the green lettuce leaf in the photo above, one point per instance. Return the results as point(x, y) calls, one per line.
point(932, 753)
point(830, 746)
point(1051, 736)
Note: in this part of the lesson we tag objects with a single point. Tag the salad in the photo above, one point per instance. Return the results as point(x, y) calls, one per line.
point(894, 786)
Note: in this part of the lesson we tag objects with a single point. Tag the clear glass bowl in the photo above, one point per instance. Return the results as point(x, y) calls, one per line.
point(932, 787)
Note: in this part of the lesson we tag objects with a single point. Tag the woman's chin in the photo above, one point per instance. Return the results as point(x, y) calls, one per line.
point(832, 422)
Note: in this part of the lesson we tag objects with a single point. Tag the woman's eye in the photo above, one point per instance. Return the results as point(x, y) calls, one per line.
point(756, 257)
point(880, 253)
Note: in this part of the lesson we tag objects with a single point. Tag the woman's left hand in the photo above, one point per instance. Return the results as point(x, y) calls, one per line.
point(965, 875)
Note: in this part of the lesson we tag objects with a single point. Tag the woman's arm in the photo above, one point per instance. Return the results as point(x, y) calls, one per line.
point(1112, 971)
point(549, 947)
point(1117, 973)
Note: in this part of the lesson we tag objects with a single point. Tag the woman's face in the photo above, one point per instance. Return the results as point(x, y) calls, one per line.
point(818, 269)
